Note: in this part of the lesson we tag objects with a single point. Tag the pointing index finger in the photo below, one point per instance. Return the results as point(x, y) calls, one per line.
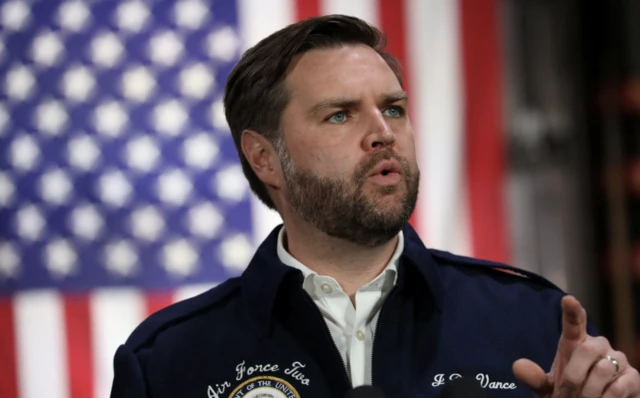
point(574, 320)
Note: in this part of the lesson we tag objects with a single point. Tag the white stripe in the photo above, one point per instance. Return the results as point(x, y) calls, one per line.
point(41, 345)
point(363, 9)
point(115, 313)
point(462, 244)
point(188, 291)
point(257, 20)
point(264, 220)
point(434, 57)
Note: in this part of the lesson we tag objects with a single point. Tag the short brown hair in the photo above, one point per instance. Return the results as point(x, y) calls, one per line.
point(255, 96)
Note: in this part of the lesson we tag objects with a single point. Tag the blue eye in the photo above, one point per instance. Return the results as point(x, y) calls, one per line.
point(394, 111)
point(338, 117)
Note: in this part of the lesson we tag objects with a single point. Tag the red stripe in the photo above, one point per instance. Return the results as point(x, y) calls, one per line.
point(307, 9)
point(8, 363)
point(156, 301)
point(485, 147)
point(79, 348)
point(392, 22)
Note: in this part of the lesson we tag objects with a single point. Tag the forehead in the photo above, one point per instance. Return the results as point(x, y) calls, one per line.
point(350, 71)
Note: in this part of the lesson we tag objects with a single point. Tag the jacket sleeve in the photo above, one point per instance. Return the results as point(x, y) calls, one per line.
point(128, 380)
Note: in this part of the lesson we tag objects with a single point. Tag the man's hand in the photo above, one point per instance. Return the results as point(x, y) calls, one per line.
point(581, 367)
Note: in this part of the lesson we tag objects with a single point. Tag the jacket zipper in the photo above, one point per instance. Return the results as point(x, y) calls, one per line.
point(375, 331)
point(328, 332)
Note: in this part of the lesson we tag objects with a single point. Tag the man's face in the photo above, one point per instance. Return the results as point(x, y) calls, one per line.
point(348, 156)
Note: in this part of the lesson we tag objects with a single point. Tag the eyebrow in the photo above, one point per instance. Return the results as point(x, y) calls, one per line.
point(345, 102)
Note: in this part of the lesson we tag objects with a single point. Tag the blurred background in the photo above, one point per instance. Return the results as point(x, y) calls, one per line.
point(121, 192)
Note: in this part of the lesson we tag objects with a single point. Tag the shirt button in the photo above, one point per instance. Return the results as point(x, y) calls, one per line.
point(326, 288)
point(360, 335)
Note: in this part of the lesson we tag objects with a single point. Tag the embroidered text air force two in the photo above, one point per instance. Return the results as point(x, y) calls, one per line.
point(261, 334)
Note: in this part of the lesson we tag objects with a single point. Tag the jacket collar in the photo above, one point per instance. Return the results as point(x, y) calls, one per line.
point(417, 255)
point(265, 274)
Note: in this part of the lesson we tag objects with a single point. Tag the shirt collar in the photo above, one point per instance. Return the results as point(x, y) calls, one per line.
point(383, 281)
point(266, 272)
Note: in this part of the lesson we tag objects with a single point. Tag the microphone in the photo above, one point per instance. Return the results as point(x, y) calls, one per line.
point(365, 392)
point(463, 388)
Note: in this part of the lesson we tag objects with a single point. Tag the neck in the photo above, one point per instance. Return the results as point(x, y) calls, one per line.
point(350, 264)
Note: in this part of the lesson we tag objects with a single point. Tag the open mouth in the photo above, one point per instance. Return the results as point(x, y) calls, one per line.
point(386, 173)
point(386, 167)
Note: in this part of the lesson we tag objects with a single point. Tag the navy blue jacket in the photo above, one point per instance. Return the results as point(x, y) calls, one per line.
point(447, 317)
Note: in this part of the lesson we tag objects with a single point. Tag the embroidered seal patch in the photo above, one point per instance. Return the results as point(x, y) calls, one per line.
point(265, 387)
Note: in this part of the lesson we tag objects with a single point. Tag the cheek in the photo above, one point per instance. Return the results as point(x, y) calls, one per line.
point(334, 164)
point(405, 146)
point(405, 143)
point(322, 162)
point(329, 156)
point(340, 168)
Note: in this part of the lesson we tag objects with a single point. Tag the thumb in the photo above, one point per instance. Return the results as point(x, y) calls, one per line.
point(532, 375)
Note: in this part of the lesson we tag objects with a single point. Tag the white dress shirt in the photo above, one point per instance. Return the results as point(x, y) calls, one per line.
point(352, 329)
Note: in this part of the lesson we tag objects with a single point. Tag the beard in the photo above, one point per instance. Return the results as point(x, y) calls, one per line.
point(341, 207)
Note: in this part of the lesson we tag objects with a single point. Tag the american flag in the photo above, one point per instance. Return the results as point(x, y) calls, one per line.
point(120, 188)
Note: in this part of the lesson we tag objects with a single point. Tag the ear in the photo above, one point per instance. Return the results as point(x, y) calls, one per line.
point(262, 157)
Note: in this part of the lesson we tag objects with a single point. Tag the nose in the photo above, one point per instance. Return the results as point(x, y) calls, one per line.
point(379, 133)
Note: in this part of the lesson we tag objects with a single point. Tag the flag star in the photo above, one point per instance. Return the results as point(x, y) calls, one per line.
point(190, 13)
point(106, 49)
point(196, 81)
point(174, 187)
point(110, 118)
point(74, 15)
point(78, 83)
point(165, 48)
point(204, 220)
point(120, 259)
point(131, 16)
point(142, 153)
point(25, 153)
point(230, 184)
point(236, 252)
point(83, 152)
point(169, 117)
point(47, 49)
point(223, 44)
point(19, 83)
point(7, 189)
point(9, 261)
point(138, 83)
point(218, 118)
point(4, 119)
point(60, 258)
point(55, 187)
point(200, 151)
point(86, 221)
point(180, 258)
point(147, 223)
point(30, 223)
point(51, 117)
point(15, 15)
point(114, 188)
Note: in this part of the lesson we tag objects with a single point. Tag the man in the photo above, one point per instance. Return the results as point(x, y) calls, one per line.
point(345, 293)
